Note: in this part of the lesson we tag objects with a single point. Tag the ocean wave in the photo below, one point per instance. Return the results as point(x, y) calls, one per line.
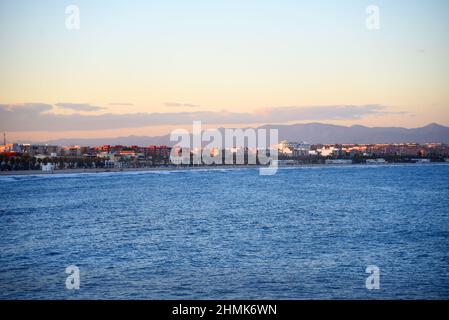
point(36, 176)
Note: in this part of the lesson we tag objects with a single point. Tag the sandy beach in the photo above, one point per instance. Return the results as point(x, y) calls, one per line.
point(100, 170)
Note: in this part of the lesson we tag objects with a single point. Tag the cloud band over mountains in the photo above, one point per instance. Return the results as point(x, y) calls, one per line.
point(39, 117)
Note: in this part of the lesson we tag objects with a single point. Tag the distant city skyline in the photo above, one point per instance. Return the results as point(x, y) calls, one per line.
point(147, 67)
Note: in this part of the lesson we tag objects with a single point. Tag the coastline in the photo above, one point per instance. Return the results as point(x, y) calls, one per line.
point(189, 168)
point(116, 170)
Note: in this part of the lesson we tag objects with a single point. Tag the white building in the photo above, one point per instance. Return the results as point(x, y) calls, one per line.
point(48, 167)
point(294, 149)
point(328, 151)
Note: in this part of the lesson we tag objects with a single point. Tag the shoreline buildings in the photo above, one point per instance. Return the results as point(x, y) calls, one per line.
point(51, 157)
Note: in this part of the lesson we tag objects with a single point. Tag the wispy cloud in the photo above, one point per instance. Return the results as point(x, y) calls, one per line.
point(126, 104)
point(78, 106)
point(334, 112)
point(34, 117)
point(26, 108)
point(181, 105)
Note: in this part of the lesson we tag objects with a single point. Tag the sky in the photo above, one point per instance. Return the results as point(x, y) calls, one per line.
point(147, 67)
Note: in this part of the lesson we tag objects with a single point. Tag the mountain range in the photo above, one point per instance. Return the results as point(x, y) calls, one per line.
point(312, 132)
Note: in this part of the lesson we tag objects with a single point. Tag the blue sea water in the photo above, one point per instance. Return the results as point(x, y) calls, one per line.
point(304, 233)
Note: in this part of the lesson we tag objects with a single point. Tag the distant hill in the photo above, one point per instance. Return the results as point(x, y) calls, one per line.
point(326, 133)
point(311, 132)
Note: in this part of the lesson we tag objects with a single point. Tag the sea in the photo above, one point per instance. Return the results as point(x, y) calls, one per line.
point(303, 233)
